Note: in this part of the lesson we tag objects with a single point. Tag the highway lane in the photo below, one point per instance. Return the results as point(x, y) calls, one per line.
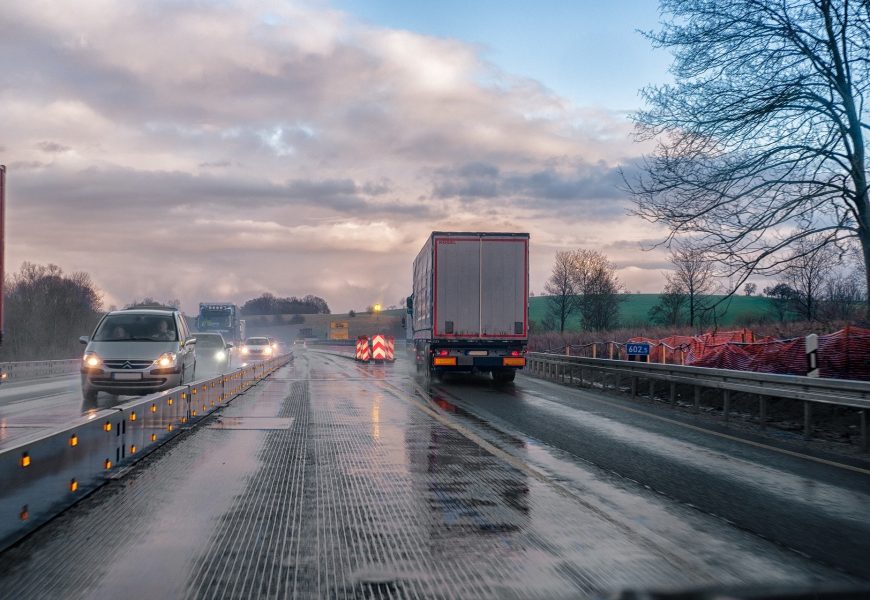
point(815, 505)
point(334, 479)
point(31, 407)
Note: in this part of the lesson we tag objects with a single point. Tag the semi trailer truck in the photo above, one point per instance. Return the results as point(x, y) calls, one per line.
point(470, 305)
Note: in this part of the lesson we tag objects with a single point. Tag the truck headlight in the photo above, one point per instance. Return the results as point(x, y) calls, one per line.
point(90, 359)
point(268, 350)
point(220, 355)
point(244, 349)
point(167, 359)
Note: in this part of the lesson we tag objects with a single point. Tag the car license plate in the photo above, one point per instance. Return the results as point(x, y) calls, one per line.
point(478, 353)
point(127, 376)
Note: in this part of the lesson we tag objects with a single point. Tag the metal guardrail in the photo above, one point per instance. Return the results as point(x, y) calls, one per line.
point(38, 369)
point(809, 390)
point(43, 474)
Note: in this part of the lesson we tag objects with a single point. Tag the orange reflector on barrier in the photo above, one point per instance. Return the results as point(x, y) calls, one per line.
point(25, 460)
point(153, 408)
point(169, 402)
point(440, 361)
point(153, 437)
point(24, 514)
point(74, 440)
point(132, 449)
point(107, 426)
point(73, 485)
point(108, 464)
point(514, 362)
point(133, 416)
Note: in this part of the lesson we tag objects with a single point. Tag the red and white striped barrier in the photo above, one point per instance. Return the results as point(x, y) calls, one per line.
point(379, 347)
point(362, 349)
point(391, 348)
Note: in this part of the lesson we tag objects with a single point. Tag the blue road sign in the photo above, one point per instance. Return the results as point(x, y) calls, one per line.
point(637, 349)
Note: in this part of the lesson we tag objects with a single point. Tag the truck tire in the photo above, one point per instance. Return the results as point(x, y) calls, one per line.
point(502, 377)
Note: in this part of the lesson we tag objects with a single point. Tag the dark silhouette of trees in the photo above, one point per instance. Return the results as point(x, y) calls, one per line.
point(47, 311)
point(268, 304)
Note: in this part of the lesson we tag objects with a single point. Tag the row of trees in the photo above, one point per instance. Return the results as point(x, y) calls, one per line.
point(583, 283)
point(46, 312)
point(268, 304)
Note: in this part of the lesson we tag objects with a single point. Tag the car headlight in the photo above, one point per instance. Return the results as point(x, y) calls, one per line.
point(90, 359)
point(268, 350)
point(220, 355)
point(244, 349)
point(167, 359)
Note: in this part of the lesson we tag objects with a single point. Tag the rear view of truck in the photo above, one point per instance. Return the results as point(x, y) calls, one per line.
point(470, 304)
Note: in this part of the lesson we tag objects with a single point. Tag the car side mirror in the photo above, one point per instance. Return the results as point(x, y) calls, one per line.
point(84, 339)
point(190, 342)
point(229, 346)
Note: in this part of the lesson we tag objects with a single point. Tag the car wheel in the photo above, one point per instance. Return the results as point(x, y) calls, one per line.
point(89, 394)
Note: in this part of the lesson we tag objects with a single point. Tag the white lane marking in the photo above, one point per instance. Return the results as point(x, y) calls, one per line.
point(733, 438)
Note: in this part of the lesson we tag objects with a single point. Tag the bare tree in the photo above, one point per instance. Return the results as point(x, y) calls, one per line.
point(695, 277)
point(808, 270)
point(760, 140)
point(843, 297)
point(562, 301)
point(47, 311)
point(671, 307)
point(599, 289)
point(780, 299)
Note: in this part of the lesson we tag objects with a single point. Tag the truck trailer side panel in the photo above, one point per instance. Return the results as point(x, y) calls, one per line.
point(504, 288)
point(457, 309)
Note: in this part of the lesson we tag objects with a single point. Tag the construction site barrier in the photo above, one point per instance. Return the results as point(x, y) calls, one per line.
point(379, 347)
point(362, 349)
point(45, 473)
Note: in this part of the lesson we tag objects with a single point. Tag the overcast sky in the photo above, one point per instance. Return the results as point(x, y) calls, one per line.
point(216, 150)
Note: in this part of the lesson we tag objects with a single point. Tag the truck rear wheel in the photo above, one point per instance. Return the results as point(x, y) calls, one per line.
point(505, 376)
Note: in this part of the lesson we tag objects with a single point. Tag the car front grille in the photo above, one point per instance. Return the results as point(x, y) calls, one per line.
point(128, 364)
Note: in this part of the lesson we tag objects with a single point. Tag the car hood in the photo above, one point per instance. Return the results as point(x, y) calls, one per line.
point(134, 350)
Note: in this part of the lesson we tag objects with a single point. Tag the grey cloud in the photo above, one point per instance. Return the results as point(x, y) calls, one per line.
point(218, 164)
point(593, 190)
point(53, 147)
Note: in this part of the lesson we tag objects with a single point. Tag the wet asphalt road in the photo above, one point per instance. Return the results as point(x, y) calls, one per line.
point(814, 508)
point(332, 479)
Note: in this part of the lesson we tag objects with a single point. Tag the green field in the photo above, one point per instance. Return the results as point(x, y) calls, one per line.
point(635, 310)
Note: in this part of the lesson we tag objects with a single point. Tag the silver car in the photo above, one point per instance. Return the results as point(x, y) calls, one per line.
point(138, 352)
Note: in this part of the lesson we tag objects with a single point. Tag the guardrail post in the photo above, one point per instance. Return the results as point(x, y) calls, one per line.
point(652, 389)
point(726, 403)
point(633, 386)
point(808, 415)
point(762, 411)
point(594, 350)
point(697, 399)
point(673, 394)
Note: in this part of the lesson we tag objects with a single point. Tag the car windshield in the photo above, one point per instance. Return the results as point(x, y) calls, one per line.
point(257, 342)
point(124, 327)
point(209, 341)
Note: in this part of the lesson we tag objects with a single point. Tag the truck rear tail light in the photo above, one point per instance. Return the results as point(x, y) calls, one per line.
point(442, 353)
point(444, 361)
point(514, 362)
point(516, 353)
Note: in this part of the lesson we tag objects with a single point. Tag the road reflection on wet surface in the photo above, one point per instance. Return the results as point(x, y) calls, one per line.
point(338, 480)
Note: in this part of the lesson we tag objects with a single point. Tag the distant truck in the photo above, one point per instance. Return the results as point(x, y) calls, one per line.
point(470, 303)
point(221, 318)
